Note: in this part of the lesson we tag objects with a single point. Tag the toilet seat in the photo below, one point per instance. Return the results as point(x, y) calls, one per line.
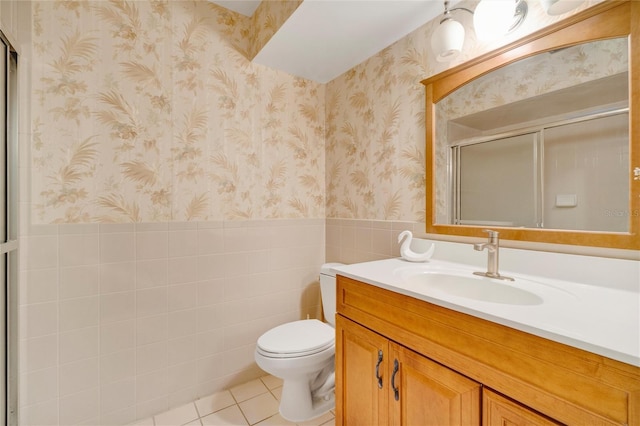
point(296, 339)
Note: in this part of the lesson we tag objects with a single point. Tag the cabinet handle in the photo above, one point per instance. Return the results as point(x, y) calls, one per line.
point(378, 369)
point(396, 393)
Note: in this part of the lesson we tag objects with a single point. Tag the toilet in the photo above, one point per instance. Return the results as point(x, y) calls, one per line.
point(302, 354)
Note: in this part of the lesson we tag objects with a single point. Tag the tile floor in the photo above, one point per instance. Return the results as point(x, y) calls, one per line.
point(252, 403)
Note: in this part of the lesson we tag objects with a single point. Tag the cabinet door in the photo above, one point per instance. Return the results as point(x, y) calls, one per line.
point(360, 400)
point(500, 411)
point(426, 393)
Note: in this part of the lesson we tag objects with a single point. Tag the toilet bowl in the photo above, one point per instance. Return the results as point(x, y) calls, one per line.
point(302, 354)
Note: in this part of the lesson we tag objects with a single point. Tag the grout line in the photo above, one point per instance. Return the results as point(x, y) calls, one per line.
point(197, 411)
point(243, 415)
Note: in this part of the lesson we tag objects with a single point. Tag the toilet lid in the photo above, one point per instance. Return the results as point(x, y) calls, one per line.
point(303, 337)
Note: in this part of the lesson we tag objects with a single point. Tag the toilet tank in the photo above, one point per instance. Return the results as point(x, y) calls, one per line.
point(328, 292)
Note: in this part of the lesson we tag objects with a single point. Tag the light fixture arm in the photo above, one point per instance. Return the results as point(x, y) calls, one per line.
point(447, 11)
point(520, 14)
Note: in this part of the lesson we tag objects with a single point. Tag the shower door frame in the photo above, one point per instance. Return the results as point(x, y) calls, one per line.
point(9, 232)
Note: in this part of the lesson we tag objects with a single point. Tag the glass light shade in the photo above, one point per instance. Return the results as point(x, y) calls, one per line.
point(493, 18)
point(447, 40)
point(558, 7)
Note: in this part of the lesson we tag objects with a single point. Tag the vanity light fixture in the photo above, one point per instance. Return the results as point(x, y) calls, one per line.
point(491, 19)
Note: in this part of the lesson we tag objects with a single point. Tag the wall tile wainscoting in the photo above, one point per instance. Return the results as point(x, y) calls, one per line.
point(124, 321)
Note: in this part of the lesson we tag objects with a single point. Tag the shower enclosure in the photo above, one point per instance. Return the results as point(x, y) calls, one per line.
point(8, 231)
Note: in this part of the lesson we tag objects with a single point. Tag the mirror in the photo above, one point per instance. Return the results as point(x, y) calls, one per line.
point(540, 143)
point(535, 139)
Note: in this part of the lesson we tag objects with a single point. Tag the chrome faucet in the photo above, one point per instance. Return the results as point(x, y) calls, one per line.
point(493, 247)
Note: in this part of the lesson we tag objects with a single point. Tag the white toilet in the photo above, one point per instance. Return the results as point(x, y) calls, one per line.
point(302, 354)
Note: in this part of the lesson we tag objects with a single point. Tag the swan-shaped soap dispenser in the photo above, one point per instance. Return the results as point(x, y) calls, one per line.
point(410, 255)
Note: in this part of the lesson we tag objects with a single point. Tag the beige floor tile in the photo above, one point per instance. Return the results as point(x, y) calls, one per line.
point(277, 392)
point(230, 416)
point(259, 408)
point(276, 420)
point(248, 390)
point(271, 382)
point(177, 416)
point(322, 420)
point(212, 403)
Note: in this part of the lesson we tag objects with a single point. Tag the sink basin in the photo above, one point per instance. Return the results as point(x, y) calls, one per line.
point(470, 287)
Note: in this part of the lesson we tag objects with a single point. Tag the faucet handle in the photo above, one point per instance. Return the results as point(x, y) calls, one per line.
point(493, 235)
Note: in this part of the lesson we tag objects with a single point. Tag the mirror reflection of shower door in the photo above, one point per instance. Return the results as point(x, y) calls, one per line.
point(497, 182)
point(8, 232)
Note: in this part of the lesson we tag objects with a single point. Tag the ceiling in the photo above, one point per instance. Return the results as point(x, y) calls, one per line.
point(245, 7)
point(324, 38)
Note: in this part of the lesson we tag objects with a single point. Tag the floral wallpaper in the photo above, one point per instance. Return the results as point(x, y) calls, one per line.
point(375, 137)
point(151, 111)
point(538, 75)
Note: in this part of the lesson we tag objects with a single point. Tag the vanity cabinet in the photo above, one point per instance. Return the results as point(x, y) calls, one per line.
point(455, 368)
point(404, 388)
point(363, 373)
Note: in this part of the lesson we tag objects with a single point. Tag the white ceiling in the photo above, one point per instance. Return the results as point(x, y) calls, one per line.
point(324, 38)
point(245, 7)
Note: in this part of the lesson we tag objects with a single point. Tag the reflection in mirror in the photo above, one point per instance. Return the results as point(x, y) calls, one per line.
point(540, 143)
point(585, 169)
point(495, 182)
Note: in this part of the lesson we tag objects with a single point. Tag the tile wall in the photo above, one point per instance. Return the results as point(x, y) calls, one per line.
point(120, 322)
point(353, 240)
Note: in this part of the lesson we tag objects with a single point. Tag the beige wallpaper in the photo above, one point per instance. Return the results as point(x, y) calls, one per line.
point(150, 111)
point(538, 75)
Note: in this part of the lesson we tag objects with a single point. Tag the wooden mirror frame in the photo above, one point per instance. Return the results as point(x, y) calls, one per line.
point(609, 19)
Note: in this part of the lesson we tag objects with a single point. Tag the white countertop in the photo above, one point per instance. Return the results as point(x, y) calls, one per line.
point(598, 319)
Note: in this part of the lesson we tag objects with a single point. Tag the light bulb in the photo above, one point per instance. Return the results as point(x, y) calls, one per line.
point(493, 18)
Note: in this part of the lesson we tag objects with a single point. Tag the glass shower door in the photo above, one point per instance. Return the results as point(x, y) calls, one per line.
point(497, 182)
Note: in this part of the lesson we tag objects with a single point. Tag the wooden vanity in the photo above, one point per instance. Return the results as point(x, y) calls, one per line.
point(404, 361)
